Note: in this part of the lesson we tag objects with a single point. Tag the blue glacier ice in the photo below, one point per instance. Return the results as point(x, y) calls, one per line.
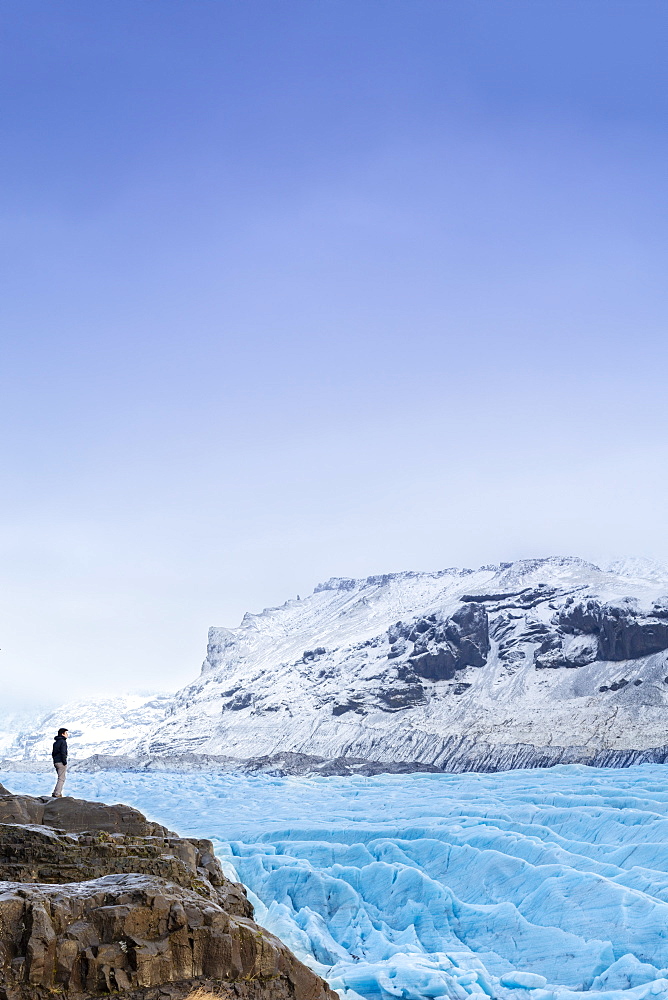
point(539, 885)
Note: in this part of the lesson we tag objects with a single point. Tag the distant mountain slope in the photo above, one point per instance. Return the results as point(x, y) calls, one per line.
point(97, 725)
point(521, 664)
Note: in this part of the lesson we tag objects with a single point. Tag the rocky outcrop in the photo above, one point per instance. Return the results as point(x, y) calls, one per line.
point(122, 932)
point(513, 634)
point(75, 815)
point(528, 597)
point(41, 854)
point(157, 910)
point(623, 631)
point(442, 646)
point(588, 630)
point(566, 651)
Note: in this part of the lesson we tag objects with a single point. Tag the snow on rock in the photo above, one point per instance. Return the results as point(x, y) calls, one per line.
point(526, 885)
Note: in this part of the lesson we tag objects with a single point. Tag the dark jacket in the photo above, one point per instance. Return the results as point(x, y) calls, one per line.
point(59, 752)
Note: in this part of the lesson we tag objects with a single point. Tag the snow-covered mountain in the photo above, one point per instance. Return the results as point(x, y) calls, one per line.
point(453, 668)
point(97, 726)
point(524, 663)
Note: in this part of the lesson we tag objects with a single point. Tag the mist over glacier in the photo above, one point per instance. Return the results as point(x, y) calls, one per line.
point(528, 884)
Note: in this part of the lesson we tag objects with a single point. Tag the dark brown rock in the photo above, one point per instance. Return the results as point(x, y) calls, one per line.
point(41, 854)
point(134, 932)
point(74, 815)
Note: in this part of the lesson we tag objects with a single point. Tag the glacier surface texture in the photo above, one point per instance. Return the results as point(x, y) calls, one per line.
point(540, 885)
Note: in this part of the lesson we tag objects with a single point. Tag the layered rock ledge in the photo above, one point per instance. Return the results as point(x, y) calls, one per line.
point(96, 899)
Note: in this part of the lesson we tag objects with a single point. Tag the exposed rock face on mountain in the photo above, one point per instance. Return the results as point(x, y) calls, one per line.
point(442, 646)
point(520, 664)
point(111, 903)
point(624, 630)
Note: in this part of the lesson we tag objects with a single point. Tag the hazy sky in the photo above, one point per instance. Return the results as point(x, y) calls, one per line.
point(302, 288)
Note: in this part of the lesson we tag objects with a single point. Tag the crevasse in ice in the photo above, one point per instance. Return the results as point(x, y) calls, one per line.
point(541, 885)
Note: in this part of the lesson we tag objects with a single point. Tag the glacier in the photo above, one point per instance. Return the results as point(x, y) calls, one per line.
point(524, 885)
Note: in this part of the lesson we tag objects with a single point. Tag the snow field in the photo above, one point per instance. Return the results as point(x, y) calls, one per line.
point(540, 885)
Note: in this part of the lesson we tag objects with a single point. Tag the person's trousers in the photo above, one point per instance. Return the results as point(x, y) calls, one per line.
point(61, 770)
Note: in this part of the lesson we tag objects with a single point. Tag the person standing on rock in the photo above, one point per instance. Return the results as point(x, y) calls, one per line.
point(59, 754)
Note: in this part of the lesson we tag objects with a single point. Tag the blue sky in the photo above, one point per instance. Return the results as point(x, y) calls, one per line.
point(302, 288)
